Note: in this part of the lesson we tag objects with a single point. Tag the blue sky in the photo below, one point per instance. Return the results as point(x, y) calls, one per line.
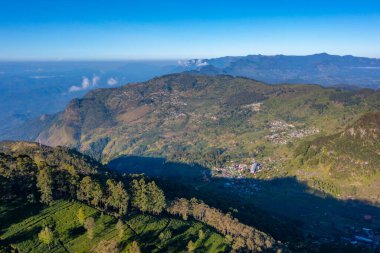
point(122, 29)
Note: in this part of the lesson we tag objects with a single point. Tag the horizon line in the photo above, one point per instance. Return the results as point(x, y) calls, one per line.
point(172, 59)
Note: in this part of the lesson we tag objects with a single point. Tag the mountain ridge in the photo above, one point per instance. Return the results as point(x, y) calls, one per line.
point(324, 69)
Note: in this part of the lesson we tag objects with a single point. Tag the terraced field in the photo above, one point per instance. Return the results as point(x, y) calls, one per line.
point(21, 230)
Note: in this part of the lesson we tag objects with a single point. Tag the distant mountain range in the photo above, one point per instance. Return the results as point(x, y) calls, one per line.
point(47, 87)
point(323, 69)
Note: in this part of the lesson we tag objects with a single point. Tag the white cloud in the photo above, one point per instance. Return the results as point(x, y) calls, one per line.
point(193, 63)
point(111, 81)
point(85, 85)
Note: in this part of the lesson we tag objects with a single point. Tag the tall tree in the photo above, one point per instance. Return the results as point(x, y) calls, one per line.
point(156, 198)
point(117, 197)
point(96, 194)
point(139, 197)
point(44, 185)
point(85, 189)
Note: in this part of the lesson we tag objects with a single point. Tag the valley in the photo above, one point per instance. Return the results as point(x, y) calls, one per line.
point(190, 126)
point(298, 162)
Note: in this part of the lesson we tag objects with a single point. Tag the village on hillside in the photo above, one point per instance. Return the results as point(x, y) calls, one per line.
point(237, 170)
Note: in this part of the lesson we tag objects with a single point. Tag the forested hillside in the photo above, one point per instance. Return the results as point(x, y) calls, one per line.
point(54, 198)
point(195, 118)
point(345, 157)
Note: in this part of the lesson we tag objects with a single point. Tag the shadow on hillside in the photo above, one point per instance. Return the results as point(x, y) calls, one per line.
point(15, 214)
point(21, 236)
point(284, 207)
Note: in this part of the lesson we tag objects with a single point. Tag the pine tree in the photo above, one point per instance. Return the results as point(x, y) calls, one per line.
point(96, 194)
point(156, 198)
point(85, 189)
point(44, 185)
point(139, 197)
point(117, 197)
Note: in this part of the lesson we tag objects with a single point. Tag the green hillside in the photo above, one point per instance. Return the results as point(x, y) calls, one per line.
point(210, 121)
point(349, 160)
point(58, 200)
point(20, 225)
point(193, 118)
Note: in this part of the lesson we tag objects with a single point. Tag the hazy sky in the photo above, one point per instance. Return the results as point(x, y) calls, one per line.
point(122, 29)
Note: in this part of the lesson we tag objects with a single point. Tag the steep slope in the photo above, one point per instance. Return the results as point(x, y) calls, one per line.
point(45, 188)
point(323, 69)
point(19, 230)
point(351, 157)
point(193, 118)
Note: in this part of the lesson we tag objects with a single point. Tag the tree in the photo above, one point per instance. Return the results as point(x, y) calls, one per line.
point(156, 198)
point(85, 189)
point(120, 228)
point(89, 225)
point(81, 216)
point(46, 236)
point(44, 185)
point(134, 248)
point(147, 197)
point(238, 243)
point(105, 246)
point(96, 194)
point(191, 246)
point(117, 197)
point(180, 207)
point(139, 197)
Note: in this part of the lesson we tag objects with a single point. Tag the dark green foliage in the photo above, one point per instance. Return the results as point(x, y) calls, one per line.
point(242, 235)
point(117, 197)
point(147, 197)
point(244, 98)
point(44, 185)
point(345, 97)
point(98, 189)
